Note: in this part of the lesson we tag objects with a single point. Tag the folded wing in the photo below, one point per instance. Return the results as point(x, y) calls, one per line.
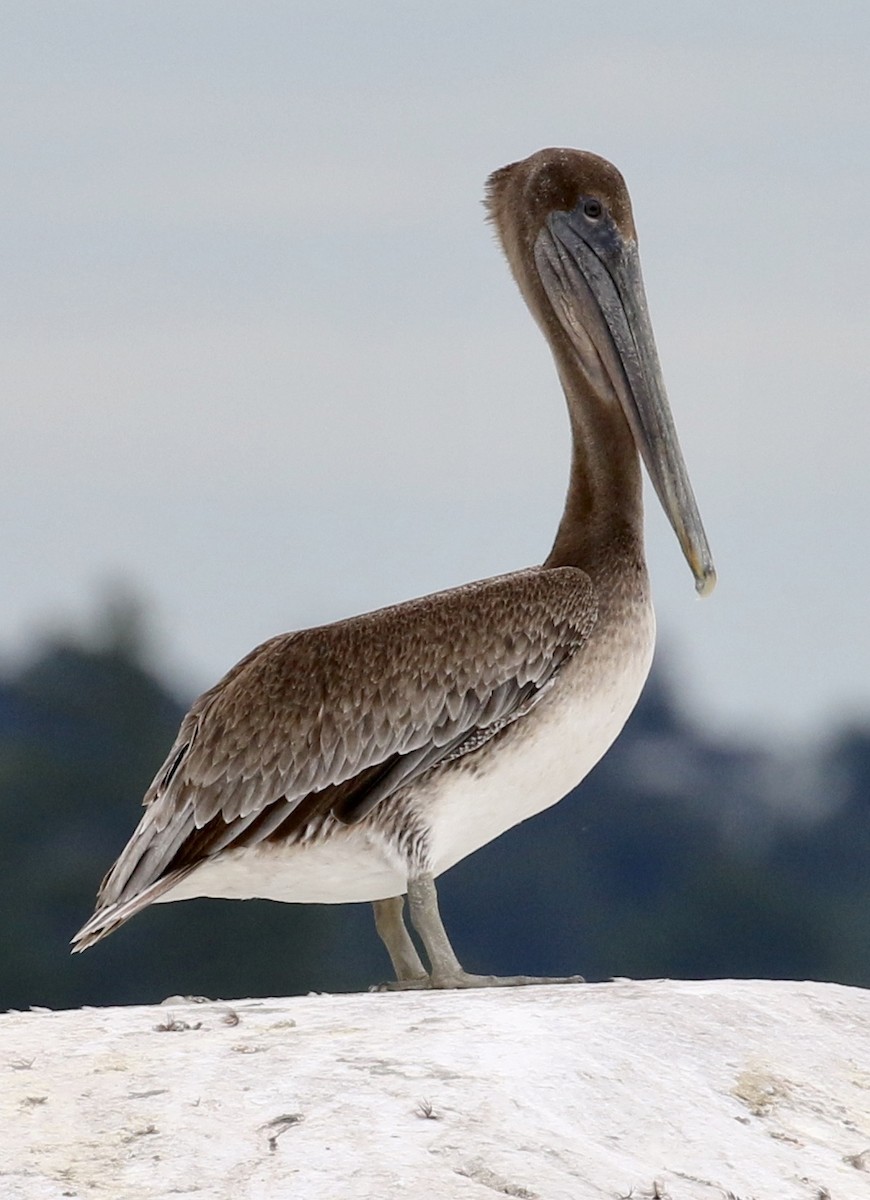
point(334, 719)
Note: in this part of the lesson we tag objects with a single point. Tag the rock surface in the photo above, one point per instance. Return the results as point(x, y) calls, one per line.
point(726, 1090)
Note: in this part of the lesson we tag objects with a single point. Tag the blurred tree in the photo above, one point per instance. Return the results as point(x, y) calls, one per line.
point(832, 862)
point(82, 731)
point(675, 857)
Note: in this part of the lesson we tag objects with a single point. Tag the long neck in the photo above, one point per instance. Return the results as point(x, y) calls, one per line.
point(602, 526)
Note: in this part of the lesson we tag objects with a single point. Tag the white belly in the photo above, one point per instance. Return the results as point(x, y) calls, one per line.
point(346, 866)
point(537, 762)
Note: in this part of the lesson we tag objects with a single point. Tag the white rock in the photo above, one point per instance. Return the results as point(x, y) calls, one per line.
point(707, 1090)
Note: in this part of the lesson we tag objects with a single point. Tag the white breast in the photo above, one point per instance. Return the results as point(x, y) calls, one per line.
point(542, 757)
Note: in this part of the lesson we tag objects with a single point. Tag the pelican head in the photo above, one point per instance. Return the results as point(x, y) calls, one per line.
point(564, 219)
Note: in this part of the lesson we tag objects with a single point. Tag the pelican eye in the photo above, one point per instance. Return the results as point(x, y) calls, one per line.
point(593, 208)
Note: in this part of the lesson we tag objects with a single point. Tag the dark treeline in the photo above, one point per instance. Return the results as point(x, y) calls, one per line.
point(678, 856)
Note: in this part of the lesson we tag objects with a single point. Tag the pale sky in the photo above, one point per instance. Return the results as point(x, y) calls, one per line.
point(262, 360)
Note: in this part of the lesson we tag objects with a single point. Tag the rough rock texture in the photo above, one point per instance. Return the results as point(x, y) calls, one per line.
point(710, 1090)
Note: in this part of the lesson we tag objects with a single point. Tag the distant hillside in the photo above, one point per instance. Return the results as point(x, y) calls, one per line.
point(681, 855)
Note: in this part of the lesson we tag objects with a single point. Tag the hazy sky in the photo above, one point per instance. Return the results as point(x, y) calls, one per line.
point(262, 360)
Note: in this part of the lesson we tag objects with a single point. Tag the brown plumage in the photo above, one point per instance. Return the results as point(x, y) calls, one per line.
point(392, 744)
point(318, 724)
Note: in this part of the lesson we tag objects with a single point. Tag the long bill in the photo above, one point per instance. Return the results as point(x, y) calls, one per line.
point(600, 301)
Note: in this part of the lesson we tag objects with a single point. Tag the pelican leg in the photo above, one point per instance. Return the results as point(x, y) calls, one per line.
point(390, 924)
point(446, 970)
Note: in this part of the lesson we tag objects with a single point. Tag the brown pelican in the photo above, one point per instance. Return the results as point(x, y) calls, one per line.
point(359, 760)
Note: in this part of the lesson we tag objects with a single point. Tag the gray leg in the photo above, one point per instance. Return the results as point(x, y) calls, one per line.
point(446, 971)
point(390, 925)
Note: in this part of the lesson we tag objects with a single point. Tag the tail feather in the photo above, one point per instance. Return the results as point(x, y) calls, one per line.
point(108, 917)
